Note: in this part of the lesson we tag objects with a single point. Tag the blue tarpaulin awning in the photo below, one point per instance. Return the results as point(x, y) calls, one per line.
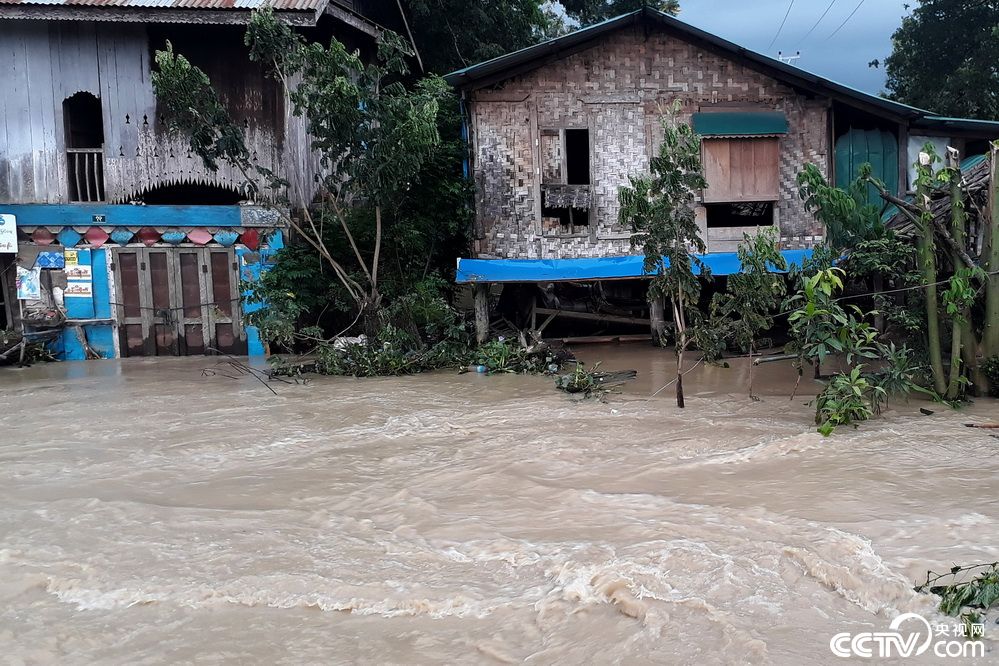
point(598, 268)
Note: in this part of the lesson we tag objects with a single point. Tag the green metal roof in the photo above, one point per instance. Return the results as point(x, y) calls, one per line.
point(760, 123)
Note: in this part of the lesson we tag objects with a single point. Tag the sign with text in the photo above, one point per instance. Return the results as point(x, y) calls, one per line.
point(8, 234)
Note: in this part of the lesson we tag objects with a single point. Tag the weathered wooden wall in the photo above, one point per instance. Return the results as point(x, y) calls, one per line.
point(46, 62)
point(615, 89)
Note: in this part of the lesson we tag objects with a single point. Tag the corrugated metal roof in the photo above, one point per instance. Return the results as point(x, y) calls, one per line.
point(279, 5)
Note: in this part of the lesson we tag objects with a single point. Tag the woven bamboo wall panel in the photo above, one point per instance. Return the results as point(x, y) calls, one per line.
point(616, 90)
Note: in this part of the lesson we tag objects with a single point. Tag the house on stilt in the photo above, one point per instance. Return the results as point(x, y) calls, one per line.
point(556, 129)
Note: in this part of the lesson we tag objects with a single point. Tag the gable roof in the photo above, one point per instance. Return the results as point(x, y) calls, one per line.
point(532, 57)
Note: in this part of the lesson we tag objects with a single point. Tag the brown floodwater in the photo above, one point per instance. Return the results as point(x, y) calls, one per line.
point(149, 514)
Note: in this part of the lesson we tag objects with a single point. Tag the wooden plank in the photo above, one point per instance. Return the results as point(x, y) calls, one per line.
point(599, 339)
point(591, 316)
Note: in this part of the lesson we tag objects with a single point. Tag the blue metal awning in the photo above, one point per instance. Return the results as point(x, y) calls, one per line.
point(599, 268)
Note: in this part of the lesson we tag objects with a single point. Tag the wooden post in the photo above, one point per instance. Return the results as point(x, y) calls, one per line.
point(990, 261)
point(657, 319)
point(480, 293)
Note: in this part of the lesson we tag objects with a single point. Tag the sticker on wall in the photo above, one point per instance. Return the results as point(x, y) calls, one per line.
point(29, 283)
point(71, 258)
point(50, 260)
point(78, 290)
point(8, 234)
point(79, 272)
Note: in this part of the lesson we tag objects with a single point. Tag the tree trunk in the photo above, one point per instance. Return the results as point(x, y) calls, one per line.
point(681, 343)
point(751, 396)
point(879, 318)
point(926, 253)
point(657, 319)
point(965, 332)
point(990, 262)
point(480, 293)
point(954, 385)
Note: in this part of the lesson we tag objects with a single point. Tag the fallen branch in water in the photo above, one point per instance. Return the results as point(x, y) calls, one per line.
point(982, 425)
point(965, 598)
point(243, 370)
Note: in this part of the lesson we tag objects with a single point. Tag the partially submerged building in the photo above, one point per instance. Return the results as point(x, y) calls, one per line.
point(126, 243)
point(556, 129)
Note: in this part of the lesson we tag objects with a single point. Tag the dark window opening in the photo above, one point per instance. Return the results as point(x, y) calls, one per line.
point(743, 214)
point(577, 156)
point(565, 220)
point(84, 123)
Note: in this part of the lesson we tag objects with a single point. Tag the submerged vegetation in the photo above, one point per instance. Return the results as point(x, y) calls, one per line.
point(963, 596)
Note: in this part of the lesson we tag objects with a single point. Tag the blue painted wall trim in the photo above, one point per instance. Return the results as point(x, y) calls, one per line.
point(48, 215)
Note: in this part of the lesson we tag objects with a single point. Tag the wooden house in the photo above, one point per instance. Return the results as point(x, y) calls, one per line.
point(556, 129)
point(93, 177)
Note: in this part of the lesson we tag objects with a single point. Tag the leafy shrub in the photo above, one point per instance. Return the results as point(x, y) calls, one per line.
point(846, 399)
point(504, 356)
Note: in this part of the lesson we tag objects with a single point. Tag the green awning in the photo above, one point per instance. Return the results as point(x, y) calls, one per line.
point(740, 123)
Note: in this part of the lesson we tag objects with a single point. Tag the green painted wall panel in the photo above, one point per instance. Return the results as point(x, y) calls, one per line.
point(879, 148)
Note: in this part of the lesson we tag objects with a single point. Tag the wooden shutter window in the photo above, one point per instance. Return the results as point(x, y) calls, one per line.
point(741, 169)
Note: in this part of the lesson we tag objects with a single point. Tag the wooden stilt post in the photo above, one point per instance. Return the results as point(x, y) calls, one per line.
point(480, 293)
point(657, 319)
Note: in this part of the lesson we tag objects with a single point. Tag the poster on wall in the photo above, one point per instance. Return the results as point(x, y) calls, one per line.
point(8, 234)
point(29, 283)
point(71, 258)
point(78, 290)
point(79, 272)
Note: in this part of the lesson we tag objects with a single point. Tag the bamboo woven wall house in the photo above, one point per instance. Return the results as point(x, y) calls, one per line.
point(556, 129)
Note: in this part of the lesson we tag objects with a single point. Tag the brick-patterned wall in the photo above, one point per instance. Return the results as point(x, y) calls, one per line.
point(615, 90)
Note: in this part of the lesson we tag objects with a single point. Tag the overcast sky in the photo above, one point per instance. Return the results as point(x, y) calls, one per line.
point(842, 57)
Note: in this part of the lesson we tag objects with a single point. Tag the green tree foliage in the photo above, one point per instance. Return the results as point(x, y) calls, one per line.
point(754, 294)
point(846, 215)
point(944, 58)
point(588, 12)
point(822, 327)
point(659, 209)
point(451, 34)
point(373, 134)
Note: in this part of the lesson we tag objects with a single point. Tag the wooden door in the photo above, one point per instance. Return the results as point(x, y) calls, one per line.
point(178, 301)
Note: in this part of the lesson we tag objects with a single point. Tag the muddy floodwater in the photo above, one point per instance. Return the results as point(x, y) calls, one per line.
point(149, 514)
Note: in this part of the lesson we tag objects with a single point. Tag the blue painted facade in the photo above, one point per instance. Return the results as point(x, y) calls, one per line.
point(91, 320)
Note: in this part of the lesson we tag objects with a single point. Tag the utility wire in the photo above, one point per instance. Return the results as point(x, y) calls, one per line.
point(781, 28)
point(816, 24)
point(846, 20)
